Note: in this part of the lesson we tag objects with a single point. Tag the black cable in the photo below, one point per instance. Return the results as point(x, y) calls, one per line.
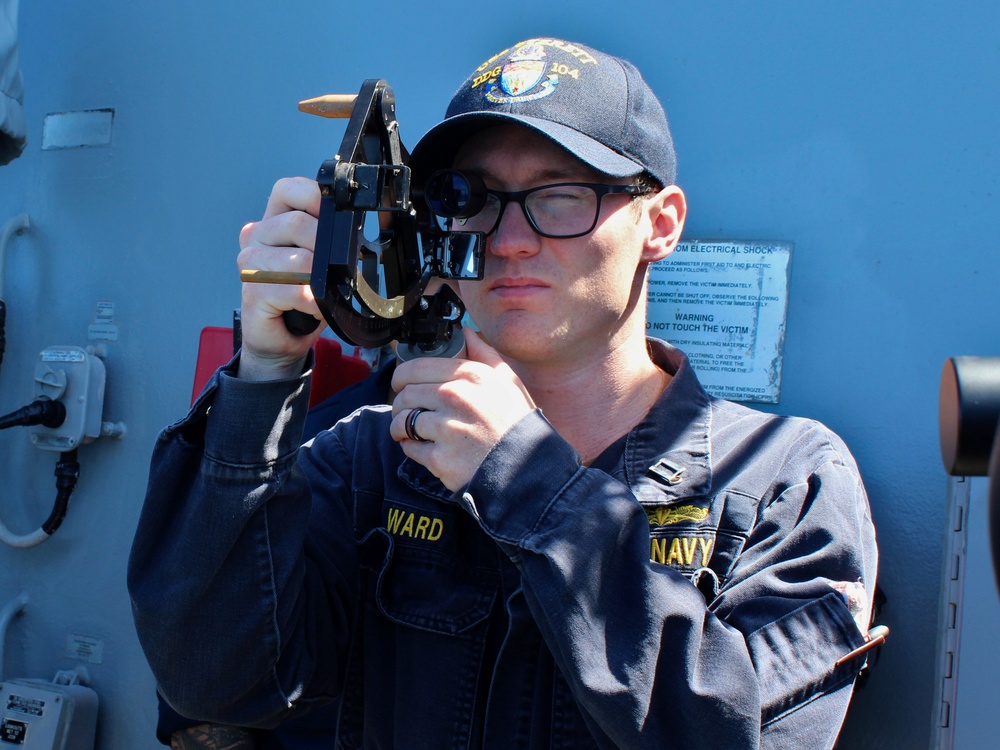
point(67, 472)
point(43, 411)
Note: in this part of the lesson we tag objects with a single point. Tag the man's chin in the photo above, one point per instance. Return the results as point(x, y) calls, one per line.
point(523, 340)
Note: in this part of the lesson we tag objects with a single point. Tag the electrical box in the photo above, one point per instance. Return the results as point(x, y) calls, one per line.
point(39, 715)
point(77, 378)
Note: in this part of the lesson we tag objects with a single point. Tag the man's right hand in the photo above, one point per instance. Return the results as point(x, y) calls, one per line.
point(282, 240)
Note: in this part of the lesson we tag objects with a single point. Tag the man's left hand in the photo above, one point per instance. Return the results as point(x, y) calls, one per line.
point(467, 406)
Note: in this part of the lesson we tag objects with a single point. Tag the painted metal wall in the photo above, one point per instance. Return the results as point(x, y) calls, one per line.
point(865, 133)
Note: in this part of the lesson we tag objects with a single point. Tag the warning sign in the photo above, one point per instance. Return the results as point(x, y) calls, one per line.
point(724, 303)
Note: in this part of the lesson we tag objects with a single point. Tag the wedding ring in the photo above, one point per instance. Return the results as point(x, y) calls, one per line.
point(411, 425)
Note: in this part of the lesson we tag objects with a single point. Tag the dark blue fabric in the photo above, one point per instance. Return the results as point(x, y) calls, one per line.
point(549, 605)
point(315, 730)
point(372, 390)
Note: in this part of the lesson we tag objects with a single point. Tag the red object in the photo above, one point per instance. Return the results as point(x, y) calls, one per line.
point(333, 369)
point(215, 348)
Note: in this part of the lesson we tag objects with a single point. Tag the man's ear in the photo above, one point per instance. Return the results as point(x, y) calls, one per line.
point(667, 211)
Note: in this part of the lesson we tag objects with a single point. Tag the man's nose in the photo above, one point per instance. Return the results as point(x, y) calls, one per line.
point(513, 235)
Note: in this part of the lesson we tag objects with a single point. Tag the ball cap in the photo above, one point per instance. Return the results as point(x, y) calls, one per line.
point(595, 105)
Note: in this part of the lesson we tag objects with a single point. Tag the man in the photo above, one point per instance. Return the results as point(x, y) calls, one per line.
point(470, 567)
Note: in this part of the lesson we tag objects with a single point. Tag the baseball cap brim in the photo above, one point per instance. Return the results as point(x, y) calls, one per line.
point(439, 146)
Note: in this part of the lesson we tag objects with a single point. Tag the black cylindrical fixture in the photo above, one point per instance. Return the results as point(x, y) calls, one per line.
point(968, 412)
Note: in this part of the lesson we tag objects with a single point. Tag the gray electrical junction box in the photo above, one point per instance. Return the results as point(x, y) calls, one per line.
point(39, 715)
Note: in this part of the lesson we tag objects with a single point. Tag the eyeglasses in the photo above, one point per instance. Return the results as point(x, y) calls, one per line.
point(560, 211)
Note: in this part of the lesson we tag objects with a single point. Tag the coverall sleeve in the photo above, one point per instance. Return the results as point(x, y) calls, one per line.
point(649, 661)
point(229, 594)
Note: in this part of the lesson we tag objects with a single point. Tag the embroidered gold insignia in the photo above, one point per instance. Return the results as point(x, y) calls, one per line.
point(669, 516)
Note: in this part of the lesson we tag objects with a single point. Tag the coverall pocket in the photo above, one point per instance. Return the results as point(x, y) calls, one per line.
point(434, 591)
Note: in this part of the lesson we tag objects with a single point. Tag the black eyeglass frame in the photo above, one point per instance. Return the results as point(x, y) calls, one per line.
point(520, 196)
